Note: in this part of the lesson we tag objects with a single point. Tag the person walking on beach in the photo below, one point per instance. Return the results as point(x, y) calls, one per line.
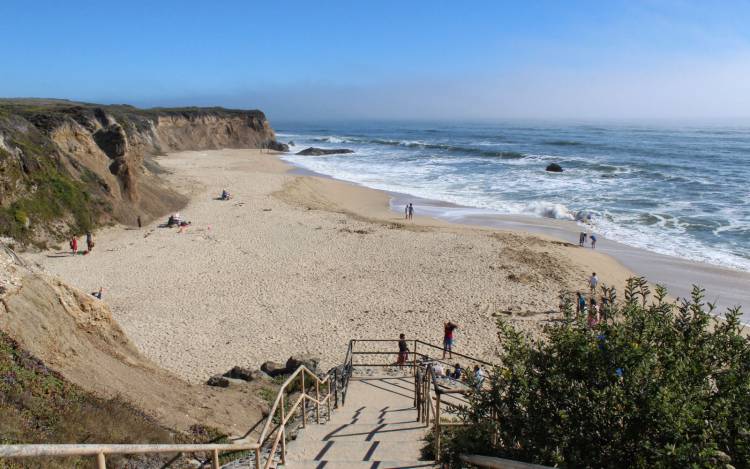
point(403, 351)
point(593, 282)
point(593, 241)
point(74, 245)
point(410, 211)
point(582, 239)
point(406, 212)
point(89, 241)
point(448, 329)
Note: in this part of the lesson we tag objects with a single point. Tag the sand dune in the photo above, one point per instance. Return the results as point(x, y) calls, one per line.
point(302, 264)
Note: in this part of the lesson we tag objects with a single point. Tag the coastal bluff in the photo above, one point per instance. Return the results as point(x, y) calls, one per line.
point(66, 167)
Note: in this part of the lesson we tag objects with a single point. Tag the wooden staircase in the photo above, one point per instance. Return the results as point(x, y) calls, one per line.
point(378, 428)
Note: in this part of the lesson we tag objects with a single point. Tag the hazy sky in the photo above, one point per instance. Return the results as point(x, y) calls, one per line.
point(400, 59)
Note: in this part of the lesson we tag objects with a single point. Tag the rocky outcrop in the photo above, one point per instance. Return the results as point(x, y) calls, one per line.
point(66, 166)
point(313, 151)
point(554, 168)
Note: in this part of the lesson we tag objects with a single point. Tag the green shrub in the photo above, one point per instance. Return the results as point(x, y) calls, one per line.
point(658, 385)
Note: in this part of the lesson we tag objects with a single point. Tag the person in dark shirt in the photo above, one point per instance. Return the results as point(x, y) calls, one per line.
point(457, 372)
point(403, 351)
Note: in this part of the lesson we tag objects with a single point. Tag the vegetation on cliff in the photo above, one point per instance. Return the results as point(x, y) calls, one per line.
point(66, 167)
point(656, 385)
point(38, 405)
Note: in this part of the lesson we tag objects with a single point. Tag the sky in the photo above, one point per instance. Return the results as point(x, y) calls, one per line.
point(435, 59)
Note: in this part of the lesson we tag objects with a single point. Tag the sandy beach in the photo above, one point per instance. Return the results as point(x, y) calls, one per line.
point(295, 263)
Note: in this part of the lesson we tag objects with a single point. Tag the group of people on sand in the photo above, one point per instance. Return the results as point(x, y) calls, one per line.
point(595, 312)
point(582, 239)
point(89, 244)
point(458, 373)
point(175, 220)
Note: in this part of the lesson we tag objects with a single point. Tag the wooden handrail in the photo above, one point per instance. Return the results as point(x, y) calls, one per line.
point(101, 451)
point(26, 451)
point(436, 347)
point(497, 463)
point(286, 416)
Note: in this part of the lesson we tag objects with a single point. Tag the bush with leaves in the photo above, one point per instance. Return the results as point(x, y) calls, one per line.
point(658, 384)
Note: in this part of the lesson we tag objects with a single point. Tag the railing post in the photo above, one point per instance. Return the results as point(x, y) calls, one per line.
point(414, 359)
point(328, 401)
point(437, 428)
point(283, 430)
point(317, 401)
point(417, 394)
point(336, 387)
point(427, 399)
point(101, 461)
point(304, 406)
point(215, 460)
point(257, 458)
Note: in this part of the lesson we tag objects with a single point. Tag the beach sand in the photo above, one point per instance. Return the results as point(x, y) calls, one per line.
point(302, 264)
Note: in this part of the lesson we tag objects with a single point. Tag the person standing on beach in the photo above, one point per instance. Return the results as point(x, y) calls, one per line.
point(410, 211)
point(139, 221)
point(74, 245)
point(448, 329)
point(89, 241)
point(593, 241)
point(403, 351)
point(593, 282)
point(582, 239)
point(406, 212)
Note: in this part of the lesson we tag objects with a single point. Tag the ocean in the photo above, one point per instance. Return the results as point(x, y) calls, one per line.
point(675, 189)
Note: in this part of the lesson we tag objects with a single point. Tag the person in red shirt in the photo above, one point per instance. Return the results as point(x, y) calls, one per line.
point(449, 327)
point(74, 245)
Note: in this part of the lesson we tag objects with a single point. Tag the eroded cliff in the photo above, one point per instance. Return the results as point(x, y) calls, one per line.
point(65, 166)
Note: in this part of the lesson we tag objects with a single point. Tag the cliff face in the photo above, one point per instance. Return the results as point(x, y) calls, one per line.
point(65, 167)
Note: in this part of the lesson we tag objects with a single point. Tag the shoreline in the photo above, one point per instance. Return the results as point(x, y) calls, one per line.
point(723, 286)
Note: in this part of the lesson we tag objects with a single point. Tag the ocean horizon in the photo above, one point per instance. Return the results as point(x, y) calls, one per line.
point(677, 188)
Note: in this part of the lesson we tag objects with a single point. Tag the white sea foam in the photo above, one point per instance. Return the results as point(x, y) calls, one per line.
point(630, 203)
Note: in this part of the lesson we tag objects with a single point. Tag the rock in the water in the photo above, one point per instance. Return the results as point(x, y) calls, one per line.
point(239, 372)
point(291, 143)
point(554, 168)
point(219, 381)
point(273, 369)
point(310, 362)
point(277, 146)
point(312, 151)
